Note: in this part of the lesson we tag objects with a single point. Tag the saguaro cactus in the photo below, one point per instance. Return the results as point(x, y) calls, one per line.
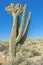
point(18, 34)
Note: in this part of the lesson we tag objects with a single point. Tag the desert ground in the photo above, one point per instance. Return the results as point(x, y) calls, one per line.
point(30, 49)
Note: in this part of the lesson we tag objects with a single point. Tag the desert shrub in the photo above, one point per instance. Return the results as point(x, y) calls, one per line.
point(35, 52)
point(30, 55)
point(9, 62)
point(27, 62)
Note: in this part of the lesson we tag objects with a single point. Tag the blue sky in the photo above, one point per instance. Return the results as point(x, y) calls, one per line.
point(36, 26)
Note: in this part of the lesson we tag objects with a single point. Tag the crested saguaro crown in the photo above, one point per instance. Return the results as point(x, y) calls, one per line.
point(18, 34)
point(17, 9)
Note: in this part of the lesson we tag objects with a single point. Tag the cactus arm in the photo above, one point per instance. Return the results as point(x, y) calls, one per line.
point(26, 29)
point(12, 40)
point(28, 23)
point(22, 25)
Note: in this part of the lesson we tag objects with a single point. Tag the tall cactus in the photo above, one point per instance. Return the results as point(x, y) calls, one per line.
point(18, 34)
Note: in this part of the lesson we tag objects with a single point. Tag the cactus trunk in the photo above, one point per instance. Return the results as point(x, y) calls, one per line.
point(12, 41)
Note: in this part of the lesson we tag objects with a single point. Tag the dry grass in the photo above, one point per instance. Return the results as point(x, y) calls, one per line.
point(31, 49)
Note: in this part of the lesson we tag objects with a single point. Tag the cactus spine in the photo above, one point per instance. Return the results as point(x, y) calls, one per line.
point(18, 34)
